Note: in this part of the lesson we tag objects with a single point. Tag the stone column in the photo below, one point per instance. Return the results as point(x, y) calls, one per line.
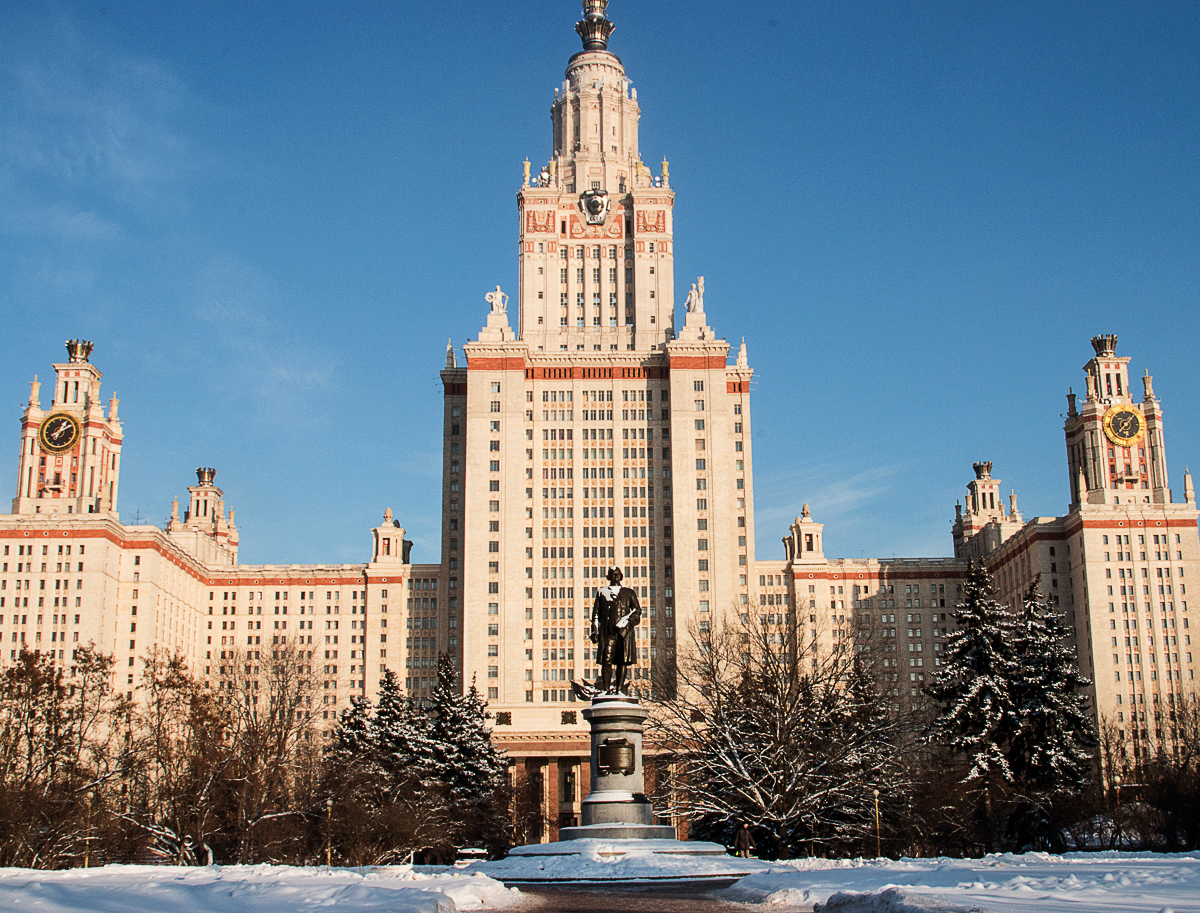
point(553, 805)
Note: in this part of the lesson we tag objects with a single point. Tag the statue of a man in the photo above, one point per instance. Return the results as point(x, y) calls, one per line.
point(498, 300)
point(615, 613)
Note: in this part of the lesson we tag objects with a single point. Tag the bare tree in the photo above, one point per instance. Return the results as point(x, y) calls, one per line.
point(268, 696)
point(771, 728)
point(178, 740)
point(52, 753)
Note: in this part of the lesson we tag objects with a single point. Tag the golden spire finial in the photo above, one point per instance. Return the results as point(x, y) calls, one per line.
point(594, 28)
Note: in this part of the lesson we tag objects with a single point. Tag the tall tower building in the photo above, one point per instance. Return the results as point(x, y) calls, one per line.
point(596, 252)
point(596, 434)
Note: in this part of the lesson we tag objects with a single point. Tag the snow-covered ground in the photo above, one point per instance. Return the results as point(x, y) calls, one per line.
point(1029, 883)
point(246, 889)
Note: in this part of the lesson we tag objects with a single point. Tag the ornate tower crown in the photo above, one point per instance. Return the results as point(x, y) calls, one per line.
point(594, 28)
point(205, 475)
point(1105, 346)
point(78, 350)
point(983, 470)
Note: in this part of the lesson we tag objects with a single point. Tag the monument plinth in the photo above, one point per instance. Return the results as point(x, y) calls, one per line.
point(617, 807)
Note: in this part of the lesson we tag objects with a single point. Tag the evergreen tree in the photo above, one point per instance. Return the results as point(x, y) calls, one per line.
point(1052, 751)
point(382, 773)
point(402, 734)
point(354, 737)
point(977, 687)
point(467, 762)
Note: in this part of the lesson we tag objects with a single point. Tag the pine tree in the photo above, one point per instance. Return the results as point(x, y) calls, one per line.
point(385, 778)
point(976, 688)
point(1052, 751)
point(467, 761)
point(402, 734)
point(353, 737)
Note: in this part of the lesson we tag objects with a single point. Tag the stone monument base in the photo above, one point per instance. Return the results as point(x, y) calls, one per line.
point(618, 845)
point(617, 831)
point(640, 864)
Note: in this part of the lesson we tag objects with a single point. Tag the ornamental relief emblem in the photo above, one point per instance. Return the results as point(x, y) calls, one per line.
point(654, 220)
point(539, 221)
point(578, 230)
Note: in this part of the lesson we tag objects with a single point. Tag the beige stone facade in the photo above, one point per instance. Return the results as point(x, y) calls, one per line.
point(1118, 563)
point(600, 432)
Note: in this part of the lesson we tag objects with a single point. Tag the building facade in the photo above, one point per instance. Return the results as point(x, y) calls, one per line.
point(609, 428)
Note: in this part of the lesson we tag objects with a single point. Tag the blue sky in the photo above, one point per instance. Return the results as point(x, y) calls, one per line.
point(270, 216)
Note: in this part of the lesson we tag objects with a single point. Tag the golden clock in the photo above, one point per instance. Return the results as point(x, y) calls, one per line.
point(1124, 425)
point(59, 433)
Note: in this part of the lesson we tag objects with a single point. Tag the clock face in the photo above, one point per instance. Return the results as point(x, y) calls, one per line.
point(1124, 425)
point(595, 205)
point(59, 433)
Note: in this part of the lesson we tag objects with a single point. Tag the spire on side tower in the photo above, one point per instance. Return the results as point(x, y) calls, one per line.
point(594, 28)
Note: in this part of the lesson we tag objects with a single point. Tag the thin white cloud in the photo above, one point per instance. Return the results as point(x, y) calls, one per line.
point(261, 358)
point(831, 495)
point(60, 221)
point(89, 137)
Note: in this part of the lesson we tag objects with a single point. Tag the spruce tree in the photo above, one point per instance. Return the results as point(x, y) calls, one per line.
point(976, 688)
point(467, 762)
point(354, 735)
point(402, 735)
point(1052, 751)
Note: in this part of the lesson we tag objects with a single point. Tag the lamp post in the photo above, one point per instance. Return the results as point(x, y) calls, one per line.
point(878, 852)
point(1117, 835)
point(329, 832)
point(87, 836)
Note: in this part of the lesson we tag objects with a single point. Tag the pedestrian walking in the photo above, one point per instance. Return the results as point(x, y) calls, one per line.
point(743, 842)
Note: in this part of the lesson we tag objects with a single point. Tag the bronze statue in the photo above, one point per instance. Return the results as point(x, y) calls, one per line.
point(615, 613)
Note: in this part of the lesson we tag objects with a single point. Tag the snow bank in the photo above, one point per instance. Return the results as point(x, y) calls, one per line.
point(1002, 883)
point(893, 900)
point(245, 889)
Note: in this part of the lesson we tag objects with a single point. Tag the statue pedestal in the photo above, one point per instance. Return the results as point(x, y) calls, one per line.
point(618, 846)
point(617, 807)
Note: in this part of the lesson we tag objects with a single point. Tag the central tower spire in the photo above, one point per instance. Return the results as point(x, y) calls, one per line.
point(594, 28)
point(596, 246)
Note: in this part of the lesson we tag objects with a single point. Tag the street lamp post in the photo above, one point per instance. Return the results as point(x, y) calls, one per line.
point(329, 832)
point(87, 836)
point(1117, 835)
point(878, 852)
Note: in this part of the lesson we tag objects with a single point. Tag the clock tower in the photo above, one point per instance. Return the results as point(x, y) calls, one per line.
point(70, 455)
point(1115, 444)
